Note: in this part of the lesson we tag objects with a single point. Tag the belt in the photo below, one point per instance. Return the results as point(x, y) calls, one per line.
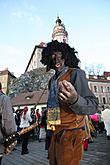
point(61, 134)
point(81, 128)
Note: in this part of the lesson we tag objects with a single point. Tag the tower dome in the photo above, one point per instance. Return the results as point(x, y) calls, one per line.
point(59, 32)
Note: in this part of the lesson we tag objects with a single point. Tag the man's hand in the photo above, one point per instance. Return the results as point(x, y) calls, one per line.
point(67, 92)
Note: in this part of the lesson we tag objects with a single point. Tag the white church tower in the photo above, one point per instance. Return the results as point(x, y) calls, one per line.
point(59, 32)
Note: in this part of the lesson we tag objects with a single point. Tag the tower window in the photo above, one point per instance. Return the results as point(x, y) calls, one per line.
point(64, 40)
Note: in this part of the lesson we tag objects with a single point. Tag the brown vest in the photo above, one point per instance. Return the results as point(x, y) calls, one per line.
point(69, 120)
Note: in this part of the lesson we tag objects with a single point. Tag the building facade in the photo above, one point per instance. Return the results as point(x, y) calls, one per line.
point(100, 86)
point(6, 78)
point(35, 99)
point(34, 61)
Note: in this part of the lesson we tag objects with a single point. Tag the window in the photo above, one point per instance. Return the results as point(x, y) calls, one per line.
point(64, 40)
point(95, 89)
point(28, 97)
point(104, 100)
point(102, 89)
point(108, 89)
point(34, 63)
point(97, 98)
point(3, 85)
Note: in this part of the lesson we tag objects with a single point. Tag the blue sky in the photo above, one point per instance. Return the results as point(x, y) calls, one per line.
point(26, 23)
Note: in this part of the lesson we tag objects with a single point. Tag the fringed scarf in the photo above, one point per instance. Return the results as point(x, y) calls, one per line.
point(53, 101)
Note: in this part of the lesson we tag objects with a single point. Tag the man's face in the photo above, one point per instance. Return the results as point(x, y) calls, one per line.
point(57, 61)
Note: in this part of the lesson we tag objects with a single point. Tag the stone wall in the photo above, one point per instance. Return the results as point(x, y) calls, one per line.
point(30, 81)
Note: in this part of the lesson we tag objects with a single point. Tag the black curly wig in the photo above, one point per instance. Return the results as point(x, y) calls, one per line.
point(68, 53)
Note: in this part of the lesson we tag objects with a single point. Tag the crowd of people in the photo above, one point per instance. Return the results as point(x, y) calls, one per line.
point(23, 119)
point(70, 120)
point(12, 122)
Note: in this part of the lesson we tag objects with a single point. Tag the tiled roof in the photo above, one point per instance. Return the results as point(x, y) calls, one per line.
point(106, 74)
point(6, 72)
point(30, 98)
point(99, 80)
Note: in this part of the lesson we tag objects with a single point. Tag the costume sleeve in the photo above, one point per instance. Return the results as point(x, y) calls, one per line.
point(8, 117)
point(87, 102)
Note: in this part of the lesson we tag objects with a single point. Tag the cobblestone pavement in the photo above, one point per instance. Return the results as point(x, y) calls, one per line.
point(97, 154)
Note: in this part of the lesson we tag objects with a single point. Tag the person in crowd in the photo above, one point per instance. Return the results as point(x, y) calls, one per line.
point(88, 138)
point(25, 122)
point(14, 115)
point(43, 125)
point(7, 122)
point(101, 126)
point(69, 100)
point(17, 119)
point(49, 133)
point(38, 117)
point(106, 118)
point(48, 137)
point(33, 116)
point(92, 130)
point(95, 122)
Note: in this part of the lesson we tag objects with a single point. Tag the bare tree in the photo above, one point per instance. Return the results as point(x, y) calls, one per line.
point(93, 69)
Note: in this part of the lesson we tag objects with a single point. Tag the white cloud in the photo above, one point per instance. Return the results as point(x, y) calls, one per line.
point(18, 14)
point(26, 11)
point(27, 17)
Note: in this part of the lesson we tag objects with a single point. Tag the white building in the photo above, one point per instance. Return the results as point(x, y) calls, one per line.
point(100, 86)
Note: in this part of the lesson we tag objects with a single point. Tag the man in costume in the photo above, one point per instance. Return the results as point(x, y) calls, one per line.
point(69, 100)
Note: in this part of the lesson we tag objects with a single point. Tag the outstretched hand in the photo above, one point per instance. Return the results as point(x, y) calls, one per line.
point(67, 92)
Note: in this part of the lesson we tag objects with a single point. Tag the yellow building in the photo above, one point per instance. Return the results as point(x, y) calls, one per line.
point(6, 78)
